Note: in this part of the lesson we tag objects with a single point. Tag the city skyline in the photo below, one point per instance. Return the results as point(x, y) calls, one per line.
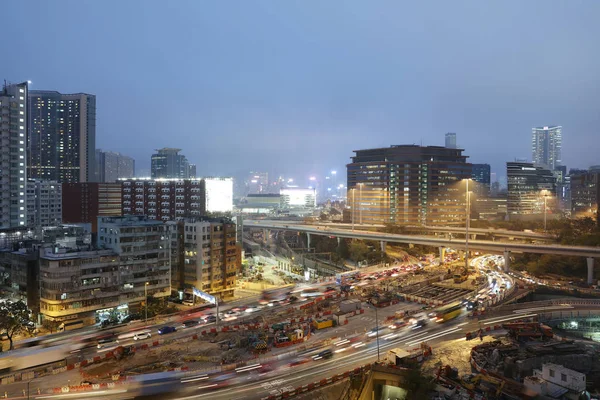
point(351, 98)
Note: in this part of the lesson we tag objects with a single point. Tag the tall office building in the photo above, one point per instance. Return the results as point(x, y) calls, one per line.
point(85, 202)
point(585, 193)
point(192, 171)
point(408, 184)
point(450, 140)
point(529, 187)
point(546, 146)
point(167, 163)
point(62, 136)
point(44, 203)
point(482, 176)
point(13, 155)
point(112, 166)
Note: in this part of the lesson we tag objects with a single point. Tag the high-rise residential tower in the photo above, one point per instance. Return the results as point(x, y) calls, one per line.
point(113, 166)
point(408, 184)
point(546, 146)
point(13, 155)
point(167, 163)
point(62, 136)
point(451, 140)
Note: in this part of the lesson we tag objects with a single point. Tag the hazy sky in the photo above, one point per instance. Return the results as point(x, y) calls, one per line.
point(295, 86)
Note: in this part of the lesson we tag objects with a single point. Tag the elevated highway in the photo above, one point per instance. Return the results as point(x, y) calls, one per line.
point(434, 229)
point(457, 243)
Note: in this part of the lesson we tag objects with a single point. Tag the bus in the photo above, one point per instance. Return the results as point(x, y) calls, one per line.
point(311, 292)
point(448, 312)
point(276, 294)
point(71, 325)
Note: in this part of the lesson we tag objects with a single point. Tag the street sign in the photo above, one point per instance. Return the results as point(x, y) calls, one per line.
point(204, 296)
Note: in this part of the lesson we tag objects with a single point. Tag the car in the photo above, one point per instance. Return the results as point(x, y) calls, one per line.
point(105, 342)
point(131, 318)
point(141, 335)
point(299, 361)
point(210, 319)
point(166, 329)
point(190, 323)
point(188, 303)
point(325, 354)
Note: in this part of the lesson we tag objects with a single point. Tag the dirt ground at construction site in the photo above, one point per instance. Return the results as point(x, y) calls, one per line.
point(456, 353)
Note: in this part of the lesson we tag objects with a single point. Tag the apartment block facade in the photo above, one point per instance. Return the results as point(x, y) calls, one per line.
point(143, 247)
point(529, 188)
point(13, 155)
point(44, 203)
point(163, 199)
point(85, 202)
point(207, 256)
point(62, 136)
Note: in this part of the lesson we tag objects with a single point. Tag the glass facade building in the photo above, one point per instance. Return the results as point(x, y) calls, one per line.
point(528, 185)
point(546, 146)
point(408, 184)
point(167, 163)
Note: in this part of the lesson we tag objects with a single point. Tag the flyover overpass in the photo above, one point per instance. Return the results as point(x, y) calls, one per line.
point(482, 245)
point(435, 229)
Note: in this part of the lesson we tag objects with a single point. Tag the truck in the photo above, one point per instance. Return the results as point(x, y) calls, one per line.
point(32, 357)
point(348, 306)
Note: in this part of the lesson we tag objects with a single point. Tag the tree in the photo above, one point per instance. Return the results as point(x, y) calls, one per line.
point(15, 318)
point(342, 250)
point(50, 325)
point(358, 250)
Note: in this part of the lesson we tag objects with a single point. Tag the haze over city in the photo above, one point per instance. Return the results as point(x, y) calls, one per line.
point(294, 87)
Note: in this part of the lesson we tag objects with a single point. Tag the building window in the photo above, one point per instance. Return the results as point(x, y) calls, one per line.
point(563, 377)
point(551, 373)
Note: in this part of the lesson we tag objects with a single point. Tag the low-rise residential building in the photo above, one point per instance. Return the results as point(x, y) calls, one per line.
point(207, 256)
point(143, 247)
point(79, 284)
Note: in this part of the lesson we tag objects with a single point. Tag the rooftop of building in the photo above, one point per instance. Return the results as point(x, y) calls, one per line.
point(265, 195)
point(168, 150)
point(545, 128)
point(410, 147)
point(129, 220)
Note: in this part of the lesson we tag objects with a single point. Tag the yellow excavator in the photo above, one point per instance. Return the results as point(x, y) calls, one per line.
point(471, 382)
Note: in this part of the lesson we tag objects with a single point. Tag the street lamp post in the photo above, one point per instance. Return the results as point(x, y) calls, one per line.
point(353, 206)
point(545, 208)
point(146, 301)
point(468, 215)
point(377, 332)
point(360, 201)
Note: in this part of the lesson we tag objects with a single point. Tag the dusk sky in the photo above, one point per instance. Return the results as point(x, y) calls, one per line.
point(294, 86)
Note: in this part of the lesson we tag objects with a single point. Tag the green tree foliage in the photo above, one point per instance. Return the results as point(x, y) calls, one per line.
point(418, 385)
point(50, 325)
point(343, 251)
point(15, 318)
point(358, 250)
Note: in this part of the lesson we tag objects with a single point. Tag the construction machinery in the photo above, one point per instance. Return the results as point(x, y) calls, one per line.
point(528, 330)
point(477, 381)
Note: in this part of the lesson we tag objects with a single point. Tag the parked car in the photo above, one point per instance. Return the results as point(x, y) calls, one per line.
point(166, 329)
point(210, 319)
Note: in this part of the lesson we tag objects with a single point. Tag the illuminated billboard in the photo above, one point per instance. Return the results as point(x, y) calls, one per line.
point(219, 194)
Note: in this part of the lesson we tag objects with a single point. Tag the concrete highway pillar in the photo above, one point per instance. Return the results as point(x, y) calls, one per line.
point(308, 240)
point(506, 261)
point(442, 255)
point(339, 240)
point(383, 245)
point(266, 235)
point(590, 274)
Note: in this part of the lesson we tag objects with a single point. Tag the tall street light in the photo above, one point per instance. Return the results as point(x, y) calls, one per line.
point(146, 296)
point(353, 206)
point(545, 207)
point(468, 212)
point(360, 185)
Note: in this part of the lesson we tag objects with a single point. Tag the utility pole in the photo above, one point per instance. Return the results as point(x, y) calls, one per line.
point(468, 212)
